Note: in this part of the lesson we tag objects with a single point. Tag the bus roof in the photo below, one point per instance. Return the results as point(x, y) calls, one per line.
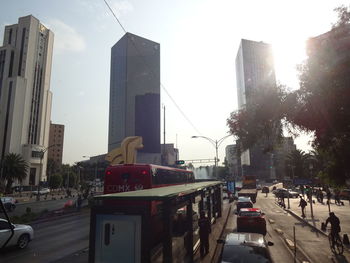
point(148, 165)
point(161, 193)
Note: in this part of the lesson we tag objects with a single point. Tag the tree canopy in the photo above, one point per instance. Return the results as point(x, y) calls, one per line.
point(321, 105)
point(15, 168)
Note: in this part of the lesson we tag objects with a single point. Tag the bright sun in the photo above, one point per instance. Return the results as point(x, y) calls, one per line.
point(287, 55)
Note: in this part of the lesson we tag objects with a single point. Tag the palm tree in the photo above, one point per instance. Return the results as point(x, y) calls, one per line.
point(15, 168)
point(298, 161)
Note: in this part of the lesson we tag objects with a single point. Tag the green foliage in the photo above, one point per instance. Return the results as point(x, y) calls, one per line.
point(15, 168)
point(55, 181)
point(260, 121)
point(298, 161)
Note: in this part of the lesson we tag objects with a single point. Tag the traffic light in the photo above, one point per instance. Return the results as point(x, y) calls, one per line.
point(180, 162)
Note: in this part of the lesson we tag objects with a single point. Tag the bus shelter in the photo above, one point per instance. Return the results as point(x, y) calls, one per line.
point(121, 224)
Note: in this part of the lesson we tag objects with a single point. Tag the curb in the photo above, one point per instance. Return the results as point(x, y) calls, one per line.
point(306, 222)
point(215, 256)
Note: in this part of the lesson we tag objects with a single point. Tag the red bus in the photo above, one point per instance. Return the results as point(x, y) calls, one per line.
point(131, 177)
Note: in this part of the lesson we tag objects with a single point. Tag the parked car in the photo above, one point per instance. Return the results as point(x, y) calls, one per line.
point(245, 248)
point(251, 220)
point(9, 203)
point(345, 194)
point(42, 191)
point(292, 194)
point(22, 236)
point(244, 202)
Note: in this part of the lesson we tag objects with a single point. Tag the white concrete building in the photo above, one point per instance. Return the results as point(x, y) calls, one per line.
point(25, 97)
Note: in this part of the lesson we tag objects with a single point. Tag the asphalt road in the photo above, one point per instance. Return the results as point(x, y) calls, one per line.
point(53, 240)
point(38, 207)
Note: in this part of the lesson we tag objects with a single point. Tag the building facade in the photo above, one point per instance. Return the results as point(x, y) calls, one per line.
point(281, 153)
point(25, 97)
point(134, 108)
point(254, 71)
point(56, 139)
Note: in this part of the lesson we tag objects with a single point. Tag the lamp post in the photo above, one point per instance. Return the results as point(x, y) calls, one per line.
point(42, 154)
point(312, 189)
point(216, 144)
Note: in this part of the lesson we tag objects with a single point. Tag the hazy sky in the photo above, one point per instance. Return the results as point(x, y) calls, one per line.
point(199, 41)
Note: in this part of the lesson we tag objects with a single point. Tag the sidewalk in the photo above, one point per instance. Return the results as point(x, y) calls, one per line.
point(29, 197)
point(321, 214)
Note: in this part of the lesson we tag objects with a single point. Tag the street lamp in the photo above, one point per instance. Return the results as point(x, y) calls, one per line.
point(42, 154)
point(216, 144)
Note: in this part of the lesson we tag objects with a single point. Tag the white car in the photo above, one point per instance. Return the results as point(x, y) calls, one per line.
point(42, 191)
point(22, 236)
point(9, 203)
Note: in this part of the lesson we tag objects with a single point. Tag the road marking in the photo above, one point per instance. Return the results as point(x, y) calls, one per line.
point(279, 231)
point(271, 221)
point(290, 243)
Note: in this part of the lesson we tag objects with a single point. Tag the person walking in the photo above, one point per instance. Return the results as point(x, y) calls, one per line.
point(204, 231)
point(282, 199)
point(302, 204)
point(321, 196)
point(329, 195)
point(302, 190)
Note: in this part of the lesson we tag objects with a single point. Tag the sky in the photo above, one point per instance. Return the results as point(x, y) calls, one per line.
point(199, 40)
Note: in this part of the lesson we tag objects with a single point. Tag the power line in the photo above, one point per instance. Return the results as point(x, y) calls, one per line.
point(153, 74)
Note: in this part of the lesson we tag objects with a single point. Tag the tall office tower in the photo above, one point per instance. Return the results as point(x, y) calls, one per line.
point(25, 97)
point(56, 138)
point(254, 70)
point(134, 107)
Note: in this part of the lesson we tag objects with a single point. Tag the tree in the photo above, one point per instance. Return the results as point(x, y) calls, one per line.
point(321, 105)
point(55, 181)
point(15, 168)
point(260, 120)
point(298, 161)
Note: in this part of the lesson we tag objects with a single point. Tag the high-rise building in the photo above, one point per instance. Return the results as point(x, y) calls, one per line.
point(56, 139)
point(25, 97)
point(254, 70)
point(134, 108)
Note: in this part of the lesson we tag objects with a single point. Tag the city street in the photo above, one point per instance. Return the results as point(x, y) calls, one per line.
point(61, 239)
point(53, 240)
point(311, 245)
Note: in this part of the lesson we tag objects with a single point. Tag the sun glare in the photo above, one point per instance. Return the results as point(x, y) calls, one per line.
point(287, 55)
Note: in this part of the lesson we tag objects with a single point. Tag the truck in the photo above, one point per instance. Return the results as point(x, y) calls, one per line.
point(249, 187)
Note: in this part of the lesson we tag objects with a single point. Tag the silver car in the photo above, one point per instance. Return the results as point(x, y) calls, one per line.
point(23, 234)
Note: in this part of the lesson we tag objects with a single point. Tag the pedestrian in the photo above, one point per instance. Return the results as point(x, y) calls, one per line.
point(282, 200)
point(321, 196)
point(328, 192)
point(337, 197)
point(302, 190)
point(204, 231)
point(302, 204)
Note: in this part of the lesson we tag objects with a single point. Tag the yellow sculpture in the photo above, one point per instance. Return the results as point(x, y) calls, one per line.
point(126, 153)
